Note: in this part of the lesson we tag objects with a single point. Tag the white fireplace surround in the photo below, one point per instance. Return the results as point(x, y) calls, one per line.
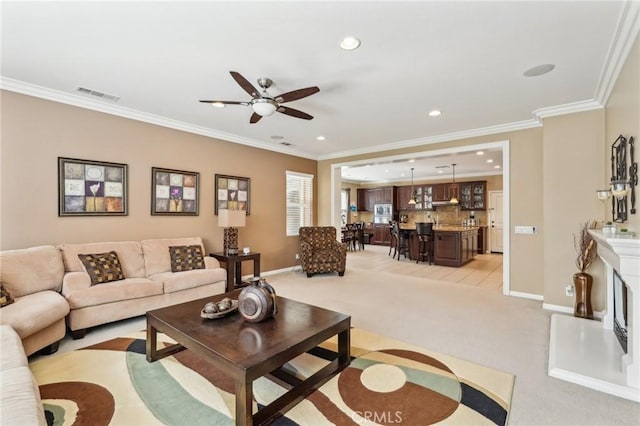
point(587, 352)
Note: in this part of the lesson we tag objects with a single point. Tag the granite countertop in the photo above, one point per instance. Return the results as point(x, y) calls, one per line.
point(409, 227)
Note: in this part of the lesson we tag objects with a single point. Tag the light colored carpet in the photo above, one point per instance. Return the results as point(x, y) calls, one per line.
point(471, 323)
point(387, 382)
point(480, 325)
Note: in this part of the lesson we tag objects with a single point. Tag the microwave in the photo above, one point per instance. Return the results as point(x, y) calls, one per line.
point(382, 209)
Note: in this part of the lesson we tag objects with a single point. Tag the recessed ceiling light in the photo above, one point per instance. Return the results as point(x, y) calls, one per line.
point(497, 166)
point(489, 160)
point(401, 174)
point(350, 43)
point(440, 171)
point(539, 70)
point(412, 161)
point(321, 138)
point(386, 171)
point(218, 104)
point(480, 153)
point(434, 113)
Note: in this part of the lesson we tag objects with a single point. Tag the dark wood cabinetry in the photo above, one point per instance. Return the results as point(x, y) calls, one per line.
point(440, 192)
point(403, 195)
point(366, 199)
point(455, 248)
point(482, 240)
point(381, 234)
point(473, 195)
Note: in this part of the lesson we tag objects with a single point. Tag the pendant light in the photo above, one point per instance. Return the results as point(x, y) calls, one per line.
point(412, 200)
point(453, 199)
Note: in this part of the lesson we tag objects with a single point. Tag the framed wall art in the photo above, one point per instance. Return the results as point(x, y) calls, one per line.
point(174, 192)
point(232, 193)
point(91, 188)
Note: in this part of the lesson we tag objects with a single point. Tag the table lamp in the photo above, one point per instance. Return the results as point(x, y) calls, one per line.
point(231, 220)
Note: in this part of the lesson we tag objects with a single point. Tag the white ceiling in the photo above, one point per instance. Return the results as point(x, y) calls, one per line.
point(464, 58)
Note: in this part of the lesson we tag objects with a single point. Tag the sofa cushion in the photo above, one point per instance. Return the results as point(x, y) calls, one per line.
point(177, 281)
point(11, 351)
point(102, 267)
point(34, 312)
point(156, 252)
point(5, 297)
point(31, 270)
point(20, 398)
point(129, 255)
point(186, 258)
point(115, 291)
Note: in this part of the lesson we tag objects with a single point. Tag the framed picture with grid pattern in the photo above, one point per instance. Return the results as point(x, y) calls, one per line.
point(174, 192)
point(232, 193)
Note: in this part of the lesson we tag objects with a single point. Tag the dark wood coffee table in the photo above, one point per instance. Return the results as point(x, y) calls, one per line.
point(247, 351)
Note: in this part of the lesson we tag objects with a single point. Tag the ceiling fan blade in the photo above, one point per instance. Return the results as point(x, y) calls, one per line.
point(244, 83)
point(297, 94)
point(255, 118)
point(224, 102)
point(294, 113)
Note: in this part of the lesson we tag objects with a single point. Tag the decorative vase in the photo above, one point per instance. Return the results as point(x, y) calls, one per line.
point(582, 283)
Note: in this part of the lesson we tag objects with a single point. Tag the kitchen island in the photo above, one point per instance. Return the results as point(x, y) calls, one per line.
point(453, 245)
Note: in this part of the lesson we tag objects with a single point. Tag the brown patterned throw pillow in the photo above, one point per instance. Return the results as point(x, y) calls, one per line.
point(102, 267)
point(5, 296)
point(186, 258)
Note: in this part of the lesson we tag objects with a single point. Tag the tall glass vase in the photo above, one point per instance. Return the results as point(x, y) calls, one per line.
point(582, 283)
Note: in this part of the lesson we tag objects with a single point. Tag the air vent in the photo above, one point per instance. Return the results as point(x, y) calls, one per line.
point(286, 143)
point(97, 94)
point(442, 167)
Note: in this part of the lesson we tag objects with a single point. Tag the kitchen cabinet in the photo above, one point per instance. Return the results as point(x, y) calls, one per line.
point(440, 192)
point(381, 234)
point(472, 195)
point(366, 199)
point(385, 195)
point(482, 240)
point(403, 194)
point(455, 247)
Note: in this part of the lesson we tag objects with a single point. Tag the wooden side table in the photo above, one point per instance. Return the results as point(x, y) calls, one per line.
point(233, 263)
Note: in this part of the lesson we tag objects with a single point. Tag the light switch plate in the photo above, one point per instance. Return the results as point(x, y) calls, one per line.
point(526, 230)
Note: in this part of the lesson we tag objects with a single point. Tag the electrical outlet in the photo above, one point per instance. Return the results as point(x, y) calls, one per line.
point(568, 290)
point(297, 256)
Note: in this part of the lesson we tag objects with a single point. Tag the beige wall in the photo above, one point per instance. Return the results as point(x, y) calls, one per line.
point(36, 132)
point(572, 170)
point(623, 118)
point(526, 274)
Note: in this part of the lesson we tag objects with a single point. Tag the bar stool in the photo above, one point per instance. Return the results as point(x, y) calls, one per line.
point(402, 241)
point(394, 239)
point(424, 233)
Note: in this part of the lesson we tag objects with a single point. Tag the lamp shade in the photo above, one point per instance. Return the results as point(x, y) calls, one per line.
point(232, 218)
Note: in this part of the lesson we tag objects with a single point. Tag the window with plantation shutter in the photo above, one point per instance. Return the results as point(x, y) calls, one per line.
point(299, 201)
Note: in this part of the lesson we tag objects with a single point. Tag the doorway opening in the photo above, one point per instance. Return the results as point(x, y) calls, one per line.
point(336, 181)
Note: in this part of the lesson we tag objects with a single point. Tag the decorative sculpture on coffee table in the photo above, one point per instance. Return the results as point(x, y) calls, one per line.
point(582, 282)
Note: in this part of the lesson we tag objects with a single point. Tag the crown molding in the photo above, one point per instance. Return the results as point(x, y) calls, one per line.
point(483, 131)
point(112, 109)
point(570, 108)
point(626, 32)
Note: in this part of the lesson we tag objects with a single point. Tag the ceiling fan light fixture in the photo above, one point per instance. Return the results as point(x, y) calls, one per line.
point(218, 104)
point(264, 107)
point(435, 113)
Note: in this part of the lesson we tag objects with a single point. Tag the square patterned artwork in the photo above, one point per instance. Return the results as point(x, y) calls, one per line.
point(232, 193)
point(91, 188)
point(174, 192)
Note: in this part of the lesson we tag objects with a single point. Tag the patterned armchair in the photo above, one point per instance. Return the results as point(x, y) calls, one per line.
point(320, 251)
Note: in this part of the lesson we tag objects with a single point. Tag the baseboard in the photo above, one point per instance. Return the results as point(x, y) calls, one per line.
point(527, 295)
point(296, 268)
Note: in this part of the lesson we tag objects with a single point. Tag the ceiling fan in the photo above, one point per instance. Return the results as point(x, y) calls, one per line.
point(264, 104)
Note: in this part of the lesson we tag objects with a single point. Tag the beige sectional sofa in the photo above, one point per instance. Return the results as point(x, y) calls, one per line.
point(50, 286)
point(33, 276)
point(149, 282)
point(20, 402)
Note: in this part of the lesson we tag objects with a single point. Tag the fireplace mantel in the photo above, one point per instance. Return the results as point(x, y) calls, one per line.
point(587, 352)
